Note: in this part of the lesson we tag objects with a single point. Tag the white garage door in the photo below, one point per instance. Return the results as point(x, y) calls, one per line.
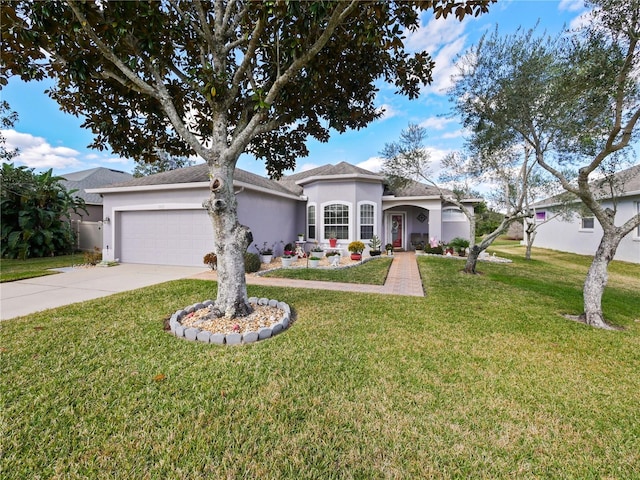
point(165, 237)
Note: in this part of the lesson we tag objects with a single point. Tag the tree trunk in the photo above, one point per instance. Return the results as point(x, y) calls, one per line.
point(531, 236)
point(472, 259)
point(596, 281)
point(230, 243)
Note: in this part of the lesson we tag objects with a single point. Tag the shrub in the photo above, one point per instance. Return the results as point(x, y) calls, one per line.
point(93, 257)
point(434, 250)
point(251, 262)
point(459, 244)
point(356, 247)
point(211, 259)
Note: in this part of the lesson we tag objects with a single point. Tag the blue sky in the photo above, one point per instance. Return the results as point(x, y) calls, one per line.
point(49, 138)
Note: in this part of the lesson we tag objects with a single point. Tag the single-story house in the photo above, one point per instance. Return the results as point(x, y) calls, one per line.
point(581, 233)
point(160, 219)
point(88, 226)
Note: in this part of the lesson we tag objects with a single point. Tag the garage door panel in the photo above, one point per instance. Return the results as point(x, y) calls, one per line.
point(165, 237)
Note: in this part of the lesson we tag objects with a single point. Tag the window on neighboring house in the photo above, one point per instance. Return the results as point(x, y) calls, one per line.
point(366, 221)
point(588, 223)
point(311, 221)
point(336, 220)
point(541, 216)
point(453, 215)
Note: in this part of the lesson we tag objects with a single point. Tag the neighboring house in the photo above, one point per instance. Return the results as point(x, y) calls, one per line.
point(581, 233)
point(160, 219)
point(88, 226)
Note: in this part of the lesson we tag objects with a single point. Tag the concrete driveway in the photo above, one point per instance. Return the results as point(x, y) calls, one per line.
point(77, 285)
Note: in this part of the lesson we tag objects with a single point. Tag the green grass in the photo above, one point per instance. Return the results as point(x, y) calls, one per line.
point(12, 270)
point(482, 378)
point(373, 272)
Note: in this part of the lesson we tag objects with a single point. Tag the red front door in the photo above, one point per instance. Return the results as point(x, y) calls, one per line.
point(396, 230)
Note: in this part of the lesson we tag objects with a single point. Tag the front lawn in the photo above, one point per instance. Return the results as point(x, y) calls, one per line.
point(373, 272)
point(12, 270)
point(482, 378)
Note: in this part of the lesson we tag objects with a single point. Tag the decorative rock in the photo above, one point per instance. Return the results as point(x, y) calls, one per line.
point(198, 306)
point(208, 303)
point(253, 300)
point(217, 338)
point(263, 301)
point(203, 336)
point(250, 337)
point(277, 328)
point(234, 338)
point(179, 331)
point(264, 332)
point(273, 303)
point(189, 310)
point(284, 306)
point(285, 321)
point(181, 314)
point(191, 333)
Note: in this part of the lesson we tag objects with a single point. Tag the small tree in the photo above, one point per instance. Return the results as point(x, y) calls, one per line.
point(35, 210)
point(408, 159)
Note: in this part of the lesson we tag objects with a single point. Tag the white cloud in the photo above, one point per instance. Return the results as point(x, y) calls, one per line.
point(436, 123)
point(571, 5)
point(36, 152)
point(388, 111)
point(117, 160)
point(306, 166)
point(373, 164)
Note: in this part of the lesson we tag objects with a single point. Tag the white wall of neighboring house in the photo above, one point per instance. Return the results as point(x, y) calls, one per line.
point(569, 236)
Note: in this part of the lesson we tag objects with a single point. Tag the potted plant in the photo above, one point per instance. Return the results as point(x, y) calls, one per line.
point(374, 246)
point(266, 252)
point(333, 239)
point(356, 248)
point(290, 249)
point(211, 259)
point(287, 259)
point(460, 245)
point(314, 262)
point(301, 237)
point(317, 251)
point(389, 248)
point(420, 248)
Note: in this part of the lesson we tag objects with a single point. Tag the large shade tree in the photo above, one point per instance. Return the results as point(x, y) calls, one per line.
point(219, 78)
point(575, 101)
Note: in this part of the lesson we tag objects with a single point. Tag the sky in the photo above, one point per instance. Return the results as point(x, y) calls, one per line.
point(48, 138)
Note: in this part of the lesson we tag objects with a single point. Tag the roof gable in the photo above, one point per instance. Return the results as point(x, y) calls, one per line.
point(93, 178)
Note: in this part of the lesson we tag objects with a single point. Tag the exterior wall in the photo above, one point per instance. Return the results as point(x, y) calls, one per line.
point(568, 236)
point(270, 218)
point(347, 192)
point(94, 214)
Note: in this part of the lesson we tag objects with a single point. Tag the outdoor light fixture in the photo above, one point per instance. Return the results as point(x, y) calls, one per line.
point(107, 220)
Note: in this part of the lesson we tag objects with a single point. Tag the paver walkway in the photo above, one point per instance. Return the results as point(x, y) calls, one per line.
point(403, 279)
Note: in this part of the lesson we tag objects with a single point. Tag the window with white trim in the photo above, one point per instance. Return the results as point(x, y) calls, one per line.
point(541, 216)
point(587, 223)
point(453, 215)
point(311, 221)
point(336, 220)
point(367, 220)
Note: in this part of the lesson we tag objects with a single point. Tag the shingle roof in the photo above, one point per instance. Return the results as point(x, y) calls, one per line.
point(415, 189)
point(93, 178)
point(200, 173)
point(292, 182)
point(627, 181)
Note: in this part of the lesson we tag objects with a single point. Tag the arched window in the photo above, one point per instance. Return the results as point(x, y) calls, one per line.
point(453, 215)
point(336, 221)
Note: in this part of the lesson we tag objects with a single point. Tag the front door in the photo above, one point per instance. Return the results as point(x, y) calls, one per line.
point(396, 229)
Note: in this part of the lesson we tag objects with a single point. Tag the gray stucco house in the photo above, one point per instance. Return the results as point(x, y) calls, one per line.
point(581, 233)
point(160, 219)
point(87, 226)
